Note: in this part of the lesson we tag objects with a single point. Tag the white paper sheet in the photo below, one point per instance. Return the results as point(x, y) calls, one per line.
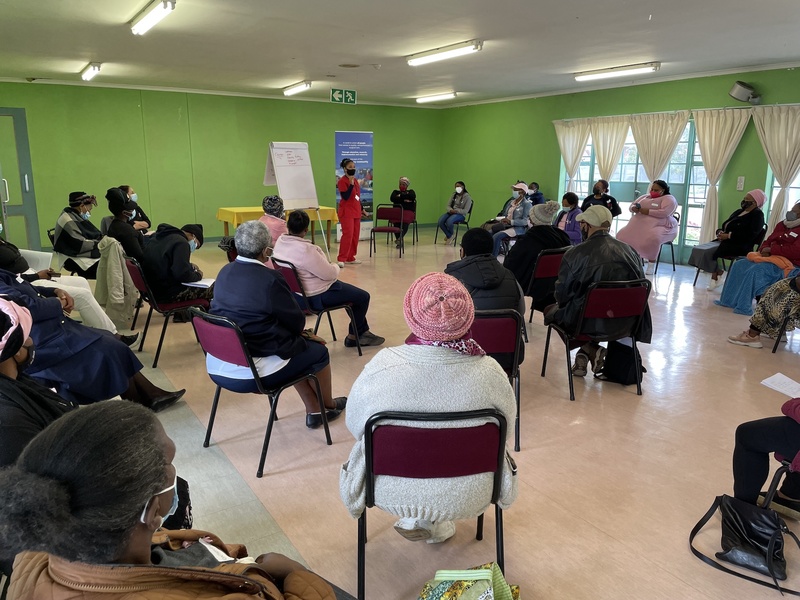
point(781, 383)
point(203, 283)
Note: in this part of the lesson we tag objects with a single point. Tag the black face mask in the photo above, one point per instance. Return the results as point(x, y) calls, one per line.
point(745, 204)
point(584, 234)
point(21, 366)
point(350, 171)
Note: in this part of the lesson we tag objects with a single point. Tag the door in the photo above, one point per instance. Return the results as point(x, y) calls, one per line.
point(18, 217)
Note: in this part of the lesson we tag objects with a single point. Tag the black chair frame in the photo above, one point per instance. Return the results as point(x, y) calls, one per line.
point(465, 222)
point(677, 216)
point(373, 423)
point(732, 259)
point(272, 394)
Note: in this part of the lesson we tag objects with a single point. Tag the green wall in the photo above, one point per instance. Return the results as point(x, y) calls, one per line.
point(187, 154)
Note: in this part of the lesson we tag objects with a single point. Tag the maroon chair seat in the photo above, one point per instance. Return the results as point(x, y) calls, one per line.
point(163, 308)
point(220, 337)
point(289, 272)
point(499, 333)
point(623, 301)
point(393, 215)
point(424, 453)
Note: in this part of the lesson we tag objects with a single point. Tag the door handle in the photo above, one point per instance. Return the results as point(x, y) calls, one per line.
point(5, 186)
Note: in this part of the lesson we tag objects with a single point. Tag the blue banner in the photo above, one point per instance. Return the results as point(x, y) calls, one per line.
point(357, 146)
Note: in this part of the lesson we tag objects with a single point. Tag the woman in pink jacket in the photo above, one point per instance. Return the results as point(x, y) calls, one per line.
point(652, 223)
point(320, 279)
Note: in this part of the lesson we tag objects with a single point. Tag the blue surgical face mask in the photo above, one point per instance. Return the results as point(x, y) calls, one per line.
point(192, 245)
point(173, 507)
point(134, 197)
point(133, 215)
point(87, 215)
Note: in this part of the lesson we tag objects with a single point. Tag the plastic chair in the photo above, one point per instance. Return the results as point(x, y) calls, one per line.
point(394, 215)
point(105, 223)
point(464, 222)
point(545, 274)
point(424, 453)
point(499, 333)
point(623, 301)
point(220, 337)
point(289, 272)
point(671, 247)
point(163, 308)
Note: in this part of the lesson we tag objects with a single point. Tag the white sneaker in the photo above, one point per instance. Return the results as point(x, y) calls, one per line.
point(714, 284)
point(415, 530)
point(448, 241)
point(651, 268)
point(355, 261)
point(341, 265)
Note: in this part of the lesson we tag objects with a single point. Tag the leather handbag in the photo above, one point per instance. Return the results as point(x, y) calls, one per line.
point(752, 537)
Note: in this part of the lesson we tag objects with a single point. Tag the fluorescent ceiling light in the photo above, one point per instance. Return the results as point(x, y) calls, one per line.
point(436, 98)
point(430, 56)
point(90, 71)
point(297, 88)
point(151, 16)
point(618, 71)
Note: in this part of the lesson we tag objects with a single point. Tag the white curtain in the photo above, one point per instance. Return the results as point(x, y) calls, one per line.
point(718, 134)
point(608, 140)
point(572, 138)
point(778, 129)
point(656, 136)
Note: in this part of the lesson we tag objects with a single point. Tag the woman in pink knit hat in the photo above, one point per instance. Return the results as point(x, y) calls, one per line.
point(440, 368)
point(736, 237)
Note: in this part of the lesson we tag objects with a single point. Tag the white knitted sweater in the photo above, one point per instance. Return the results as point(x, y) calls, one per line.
point(426, 379)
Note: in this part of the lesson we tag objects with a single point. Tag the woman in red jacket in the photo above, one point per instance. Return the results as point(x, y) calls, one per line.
point(350, 213)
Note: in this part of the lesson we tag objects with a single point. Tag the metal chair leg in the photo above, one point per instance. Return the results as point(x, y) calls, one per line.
point(146, 328)
point(267, 435)
point(161, 339)
point(211, 417)
point(546, 350)
point(349, 311)
point(479, 531)
point(696, 275)
point(781, 333)
point(501, 554)
point(569, 371)
point(672, 251)
point(136, 314)
point(362, 541)
point(638, 363)
point(517, 424)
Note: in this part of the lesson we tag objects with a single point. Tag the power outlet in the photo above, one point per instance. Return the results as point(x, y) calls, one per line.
point(740, 184)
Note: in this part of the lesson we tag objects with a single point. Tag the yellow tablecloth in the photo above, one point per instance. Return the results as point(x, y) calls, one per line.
point(239, 214)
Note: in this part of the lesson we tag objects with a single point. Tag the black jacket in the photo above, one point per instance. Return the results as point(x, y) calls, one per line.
point(605, 200)
point(744, 230)
point(600, 258)
point(260, 302)
point(166, 262)
point(490, 284)
point(522, 258)
point(132, 241)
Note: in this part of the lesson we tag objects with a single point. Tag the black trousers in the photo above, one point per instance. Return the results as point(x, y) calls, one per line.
point(755, 440)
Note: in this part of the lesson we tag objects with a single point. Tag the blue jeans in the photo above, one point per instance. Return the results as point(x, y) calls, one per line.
point(498, 241)
point(343, 293)
point(447, 222)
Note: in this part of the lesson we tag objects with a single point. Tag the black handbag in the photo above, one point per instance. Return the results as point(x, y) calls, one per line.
point(752, 537)
point(619, 365)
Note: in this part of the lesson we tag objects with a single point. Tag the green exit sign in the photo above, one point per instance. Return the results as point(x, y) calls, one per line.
point(343, 96)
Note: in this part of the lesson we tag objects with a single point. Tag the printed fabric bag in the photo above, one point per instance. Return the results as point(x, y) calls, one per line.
point(485, 582)
point(752, 537)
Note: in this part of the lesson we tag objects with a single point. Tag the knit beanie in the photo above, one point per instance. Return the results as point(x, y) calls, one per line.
point(759, 196)
point(438, 308)
point(196, 230)
point(543, 214)
point(78, 198)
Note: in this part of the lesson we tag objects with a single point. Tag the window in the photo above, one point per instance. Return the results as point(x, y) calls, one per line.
point(792, 194)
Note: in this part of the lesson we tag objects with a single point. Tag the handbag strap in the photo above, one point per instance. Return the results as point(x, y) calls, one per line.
point(710, 561)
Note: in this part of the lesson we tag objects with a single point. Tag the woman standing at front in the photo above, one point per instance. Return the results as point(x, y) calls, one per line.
point(652, 223)
point(458, 208)
point(350, 213)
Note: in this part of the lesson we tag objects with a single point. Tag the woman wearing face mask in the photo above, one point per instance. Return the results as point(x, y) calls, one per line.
point(652, 223)
point(121, 229)
point(84, 504)
point(601, 197)
point(777, 258)
point(350, 213)
point(735, 238)
point(458, 207)
point(515, 220)
point(566, 220)
point(139, 220)
point(405, 198)
point(76, 236)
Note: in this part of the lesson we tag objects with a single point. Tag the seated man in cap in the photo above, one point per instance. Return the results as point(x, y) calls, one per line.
point(121, 228)
point(75, 236)
point(599, 258)
point(167, 267)
point(490, 284)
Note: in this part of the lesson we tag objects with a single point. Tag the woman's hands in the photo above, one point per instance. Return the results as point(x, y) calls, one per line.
point(67, 303)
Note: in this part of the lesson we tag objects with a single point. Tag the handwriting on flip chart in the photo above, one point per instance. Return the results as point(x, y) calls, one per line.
point(290, 158)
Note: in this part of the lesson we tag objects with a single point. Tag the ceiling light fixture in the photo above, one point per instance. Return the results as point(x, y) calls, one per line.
point(623, 71)
point(445, 52)
point(151, 16)
point(436, 98)
point(90, 71)
point(297, 88)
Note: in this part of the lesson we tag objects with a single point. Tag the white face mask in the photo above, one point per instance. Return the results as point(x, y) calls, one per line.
point(459, 190)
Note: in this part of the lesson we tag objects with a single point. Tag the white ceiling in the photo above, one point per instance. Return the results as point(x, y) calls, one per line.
point(260, 46)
